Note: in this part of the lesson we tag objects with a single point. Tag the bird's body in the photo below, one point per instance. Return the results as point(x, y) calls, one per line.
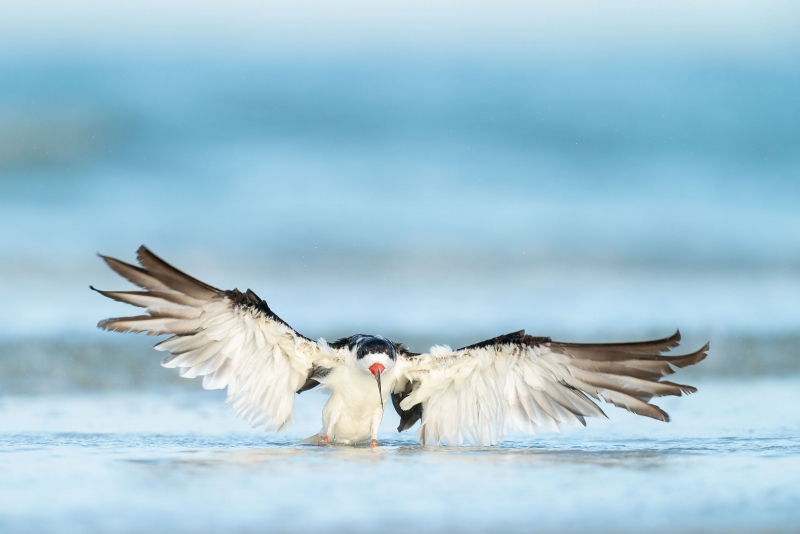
point(355, 407)
point(354, 410)
point(474, 394)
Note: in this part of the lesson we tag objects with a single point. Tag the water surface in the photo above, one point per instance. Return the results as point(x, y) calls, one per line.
point(181, 462)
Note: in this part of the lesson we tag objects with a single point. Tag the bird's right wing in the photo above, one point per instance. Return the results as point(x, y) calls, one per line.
point(231, 339)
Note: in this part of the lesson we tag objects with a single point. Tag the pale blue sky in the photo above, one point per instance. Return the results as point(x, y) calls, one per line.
point(505, 29)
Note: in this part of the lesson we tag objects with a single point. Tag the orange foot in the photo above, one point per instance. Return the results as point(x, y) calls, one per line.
point(373, 443)
point(323, 441)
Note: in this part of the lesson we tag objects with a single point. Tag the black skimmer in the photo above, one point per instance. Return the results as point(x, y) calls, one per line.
point(472, 395)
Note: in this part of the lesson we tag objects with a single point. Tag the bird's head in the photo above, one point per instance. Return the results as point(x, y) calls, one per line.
point(375, 355)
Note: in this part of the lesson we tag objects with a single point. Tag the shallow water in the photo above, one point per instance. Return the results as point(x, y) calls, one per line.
point(181, 462)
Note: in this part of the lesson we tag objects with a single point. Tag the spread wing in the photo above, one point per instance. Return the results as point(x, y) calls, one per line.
point(517, 382)
point(231, 339)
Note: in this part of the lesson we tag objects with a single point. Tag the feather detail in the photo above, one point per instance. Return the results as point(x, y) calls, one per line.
point(229, 338)
point(521, 382)
point(173, 278)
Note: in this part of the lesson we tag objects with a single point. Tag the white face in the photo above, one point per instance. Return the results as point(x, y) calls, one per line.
point(376, 361)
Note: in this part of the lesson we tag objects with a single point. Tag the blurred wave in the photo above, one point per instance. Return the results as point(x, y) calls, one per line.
point(722, 114)
point(58, 366)
point(451, 199)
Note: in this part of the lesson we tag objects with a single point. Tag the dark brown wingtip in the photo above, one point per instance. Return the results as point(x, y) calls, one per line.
point(104, 293)
point(649, 410)
point(683, 389)
point(108, 259)
point(672, 341)
point(132, 273)
point(172, 277)
point(689, 359)
point(657, 413)
point(112, 324)
point(143, 251)
point(676, 337)
point(107, 294)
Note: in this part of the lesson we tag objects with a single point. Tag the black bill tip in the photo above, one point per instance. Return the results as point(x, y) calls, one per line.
point(380, 391)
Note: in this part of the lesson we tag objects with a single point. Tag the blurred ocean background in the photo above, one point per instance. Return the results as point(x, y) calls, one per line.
point(436, 172)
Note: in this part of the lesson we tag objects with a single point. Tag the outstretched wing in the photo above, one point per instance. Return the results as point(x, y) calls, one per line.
point(517, 382)
point(231, 339)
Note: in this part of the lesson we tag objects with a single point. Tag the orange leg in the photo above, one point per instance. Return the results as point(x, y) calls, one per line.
point(373, 443)
point(323, 441)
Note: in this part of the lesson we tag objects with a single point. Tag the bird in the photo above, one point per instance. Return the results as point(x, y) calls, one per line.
point(474, 395)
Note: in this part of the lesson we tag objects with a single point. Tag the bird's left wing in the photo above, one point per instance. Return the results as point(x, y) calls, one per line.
point(231, 339)
point(517, 382)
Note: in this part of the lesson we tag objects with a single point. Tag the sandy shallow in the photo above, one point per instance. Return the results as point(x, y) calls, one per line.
point(181, 462)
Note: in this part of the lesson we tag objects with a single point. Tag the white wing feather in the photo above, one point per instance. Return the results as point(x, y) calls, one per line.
point(222, 336)
point(478, 394)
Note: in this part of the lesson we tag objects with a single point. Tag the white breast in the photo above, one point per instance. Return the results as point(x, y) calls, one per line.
point(353, 413)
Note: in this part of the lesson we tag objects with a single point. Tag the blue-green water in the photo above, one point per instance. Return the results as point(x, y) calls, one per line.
point(430, 200)
point(574, 200)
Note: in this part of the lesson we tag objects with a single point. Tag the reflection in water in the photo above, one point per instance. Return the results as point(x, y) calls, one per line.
point(638, 454)
point(635, 459)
